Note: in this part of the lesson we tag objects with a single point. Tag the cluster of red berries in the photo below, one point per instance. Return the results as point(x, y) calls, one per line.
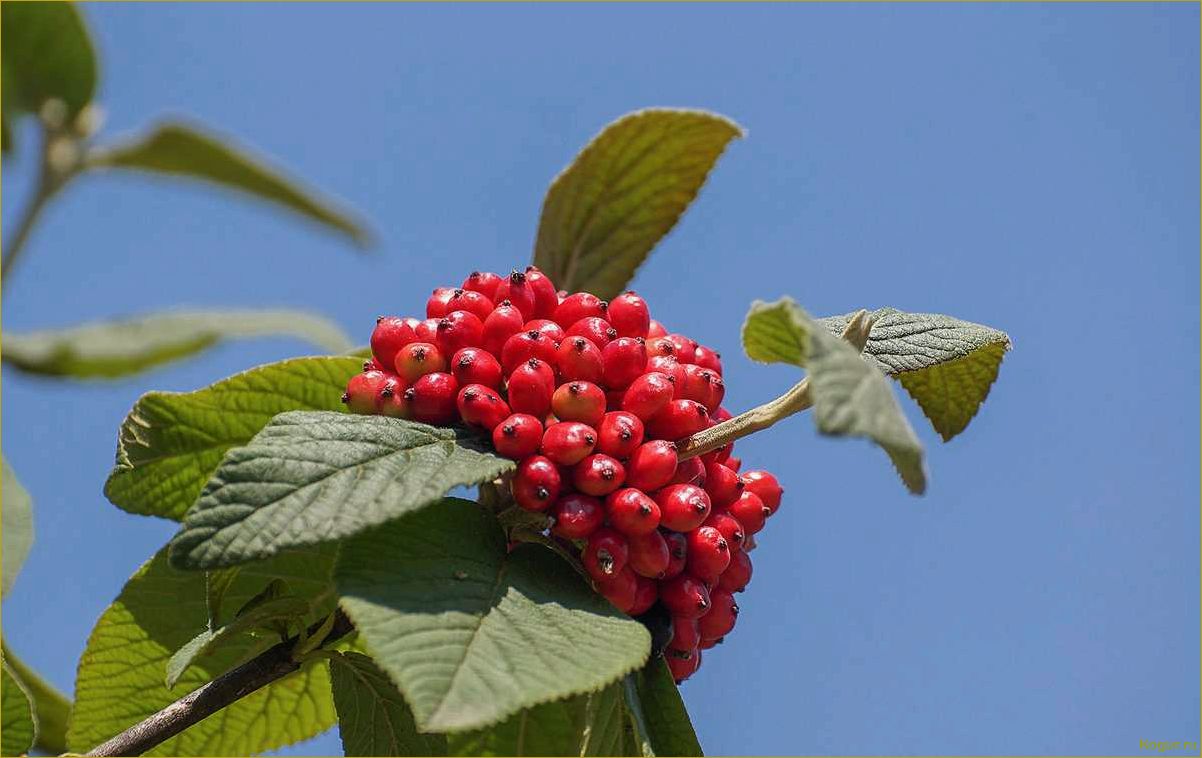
point(590, 398)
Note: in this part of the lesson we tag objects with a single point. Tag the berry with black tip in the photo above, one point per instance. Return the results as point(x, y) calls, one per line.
point(678, 419)
point(432, 398)
point(682, 507)
point(536, 483)
point(577, 516)
point(546, 297)
point(415, 360)
point(685, 595)
point(629, 315)
point(647, 395)
point(568, 442)
point(363, 391)
point(471, 301)
point(518, 436)
point(598, 475)
point(619, 433)
point(649, 554)
point(390, 335)
point(632, 512)
point(678, 552)
point(577, 306)
point(459, 329)
point(523, 346)
point(625, 360)
point(529, 388)
point(651, 465)
point(749, 510)
point(579, 401)
point(475, 365)
point(593, 328)
point(709, 554)
point(481, 406)
point(484, 282)
point(579, 359)
point(605, 554)
point(721, 617)
point(766, 487)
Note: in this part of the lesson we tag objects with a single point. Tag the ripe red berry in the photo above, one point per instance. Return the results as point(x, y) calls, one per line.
point(577, 516)
point(651, 465)
point(551, 329)
point(722, 484)
point(686, 347)
point(709, 554)
point(390, 335)
point(520, 294)
point(729, 527)
point(696, 383)
point(629, 315)
point(708, 358)
point(546, 298)
point(481, 406)
point(579, 401)
point(598, 475)
point(536, 483)
point(707, 643)
point(392, 400)
point(577, 306)
point(518, 436)
point(649, 555)
point(690, 471)
point(484, 282)
point(682, 663)
point(682, 507)
point(721, 617)
point(648, 395)
point(749, 510)
point(717, 393)
point(417, 359)
point(433, 398)
point(594, 328)
point(436, 306)
point(459, 329)
point(619, 434)
point(474, 365)
point(685, 596)
point(738, 574)
point(655, 330)
point(734, 464)
point(677, 420)
point(427, 331)
point(530, 387)
point(645, 595)
point(685, 635)
point(633, 513)
point(504, 322)
point(661, 347)
point(523, 346)
point(363, 391)
point(568, 442)
point(605, 554)
point(766, 487)
point(667, 365)
point(472, 302)
point(579, 358)
point(678, 552)
point(625, 360)
point(621, 589)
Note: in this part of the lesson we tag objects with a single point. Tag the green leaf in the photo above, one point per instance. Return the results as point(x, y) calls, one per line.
point(472, 633)
point(186, 150)
point(217, 583)
point(171, 442)
point(312, 477)
point(947, 365)
point(373, 718)
point(626, 190)
point(850, 397)
point(51, 707)
point(16, 527)
point(590, 724)
point(120, 677)
point(113, 349)
point(658, 712)
point(46, 54)
point(16, 715)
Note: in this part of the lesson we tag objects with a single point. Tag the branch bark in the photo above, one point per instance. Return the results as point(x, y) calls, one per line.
point(272, 664)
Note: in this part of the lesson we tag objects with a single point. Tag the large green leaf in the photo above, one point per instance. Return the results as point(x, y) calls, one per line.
point(51, 707)
point(185, 150)
point(16, 715)
point(312, 477)
point(120, 677)
point(471, 632)
point(623, 193)
point(171, 442)
point(113, 349)
point(16, 526)
point(590, 724)
point(947, 365)
point(658, 712)
point(46, 53)
point(373, 718)
point(850, 397)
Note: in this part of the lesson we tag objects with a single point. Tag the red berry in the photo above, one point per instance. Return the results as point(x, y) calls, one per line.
point(472, 302)
point(481, 406)
point(690, 471)
point(391, 399)
point(579, 401)
point(707, 358)
point(678, 552)
point(390, 335)
point(766, 487)
point(685, 635)
point(459, 329)
point(598, 475)
point(656, 329)
point(685, 596)
point(651, 465)
point(707, 643)
point(547, 327)
point(474, 365)
point(536, 483)
point(371, 365)
point(363, 391)
point(546, 299)
point(721, 617)
point(633, 513)
point(530, 387)
point(686, 347)
point(667, 365)
point(432, 398)
point(621, 589)
point(605, 554)
point(417, 359)
point(568, 442)
point(729, 527)
point(648, 395)
point(649, 555)
point(427, 331)
point(738, 573)
point(645, 595)
point(518, 436)
point(749, 510)
point(577, 306)
point(682, 663)
point(661, 347)
point(709, 554)
point(519, 293)
point(682, 507)
point(436, 306)
point(696, 383)
point(734, 464)
point(722, 484)
point(594, 328)
point(677, 420)
point(577, 516)
point(619, 434)
point(717, 392)
point(484, 282)
point(504, 322)
point(579, 358)
point(625, 360)
point(523, 346)
point(629, 315)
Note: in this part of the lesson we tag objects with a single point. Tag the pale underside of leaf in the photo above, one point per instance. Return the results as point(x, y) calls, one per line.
point(312, 477)
point(471, 633)
point(373, 718)
point(171, 442)
point(16, 529)
point(626, 190)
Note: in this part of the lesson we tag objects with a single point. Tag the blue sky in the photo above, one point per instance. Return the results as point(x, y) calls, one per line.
point(1031, 167)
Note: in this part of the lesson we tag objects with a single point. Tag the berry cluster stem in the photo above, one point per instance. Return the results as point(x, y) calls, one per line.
point(795, 400)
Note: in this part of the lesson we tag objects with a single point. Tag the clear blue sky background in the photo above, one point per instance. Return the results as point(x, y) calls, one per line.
point(1029, 167)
